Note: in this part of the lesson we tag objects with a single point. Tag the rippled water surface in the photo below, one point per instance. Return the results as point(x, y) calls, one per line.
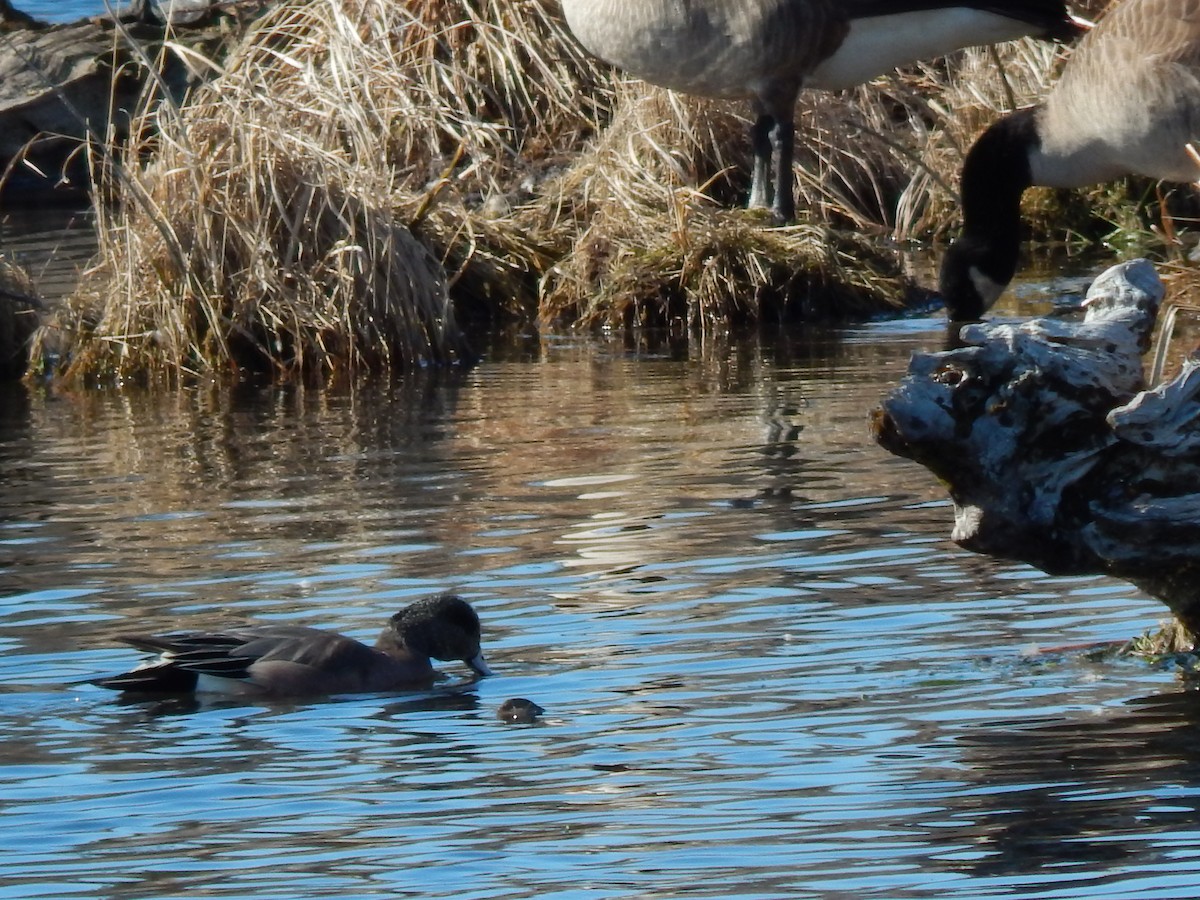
point(766, 672)
point(58, 11)
point(66, 10)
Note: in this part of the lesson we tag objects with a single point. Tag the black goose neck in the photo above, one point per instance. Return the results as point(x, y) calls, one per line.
point(996, 173)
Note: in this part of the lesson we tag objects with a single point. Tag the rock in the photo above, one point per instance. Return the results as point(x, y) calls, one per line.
point(1053, 451)
point(519, 711)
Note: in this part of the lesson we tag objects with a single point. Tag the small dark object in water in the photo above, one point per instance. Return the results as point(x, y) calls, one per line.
point(519, 711)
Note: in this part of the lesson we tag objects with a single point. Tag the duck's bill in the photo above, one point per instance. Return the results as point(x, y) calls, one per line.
point(479, 664)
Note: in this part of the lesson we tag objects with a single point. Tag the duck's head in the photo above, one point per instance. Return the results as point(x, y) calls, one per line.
point(442, 627)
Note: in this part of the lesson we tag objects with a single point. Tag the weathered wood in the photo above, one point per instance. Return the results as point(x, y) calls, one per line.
point(61, 85)
point(55, 85)
point(1053, 451)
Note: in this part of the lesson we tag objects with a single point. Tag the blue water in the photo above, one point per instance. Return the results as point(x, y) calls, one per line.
point(69, 10)
point(766, 672)
point(64, 10)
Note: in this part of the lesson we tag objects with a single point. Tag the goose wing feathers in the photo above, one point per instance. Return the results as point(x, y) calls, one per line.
point(1132, 89)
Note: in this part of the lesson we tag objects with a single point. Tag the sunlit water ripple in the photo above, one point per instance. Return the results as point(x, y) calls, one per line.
point(765, 670)
point(66, 10)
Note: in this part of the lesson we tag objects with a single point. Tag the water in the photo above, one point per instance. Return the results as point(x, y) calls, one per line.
point(65, 10)
point(69, 10)
point(52, 244)
point(766, 672)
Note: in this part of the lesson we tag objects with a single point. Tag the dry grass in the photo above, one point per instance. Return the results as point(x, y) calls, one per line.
point(365, 174)
point(1169, 639)
point(650, 232)
point(274, 225)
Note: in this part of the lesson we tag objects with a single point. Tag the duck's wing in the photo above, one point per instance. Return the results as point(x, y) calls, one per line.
point(161, 678)
point(321, 662)
point(209, 653)
point(276, 659)
point(184, 656)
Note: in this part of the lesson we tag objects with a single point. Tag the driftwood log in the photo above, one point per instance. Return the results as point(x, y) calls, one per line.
point(1052, 449)
point(63, 84)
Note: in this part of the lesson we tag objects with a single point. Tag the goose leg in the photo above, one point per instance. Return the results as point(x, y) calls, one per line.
point(783, 137)
point(761, 144)
point(775, 135)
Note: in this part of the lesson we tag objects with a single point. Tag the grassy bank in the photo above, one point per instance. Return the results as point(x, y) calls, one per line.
point(367, 180)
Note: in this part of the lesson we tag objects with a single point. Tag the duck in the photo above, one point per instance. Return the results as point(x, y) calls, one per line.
point(295, 660)
point(766, 51)
point(1127, 103)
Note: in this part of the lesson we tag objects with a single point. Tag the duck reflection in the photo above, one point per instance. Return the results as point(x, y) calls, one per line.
point(453, 697)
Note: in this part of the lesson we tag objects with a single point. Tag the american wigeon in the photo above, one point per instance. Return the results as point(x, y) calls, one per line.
point(292, 660)
point(768, 50)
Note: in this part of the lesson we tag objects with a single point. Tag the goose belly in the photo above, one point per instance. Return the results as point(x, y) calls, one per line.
point(879, 44)
point(714, 49)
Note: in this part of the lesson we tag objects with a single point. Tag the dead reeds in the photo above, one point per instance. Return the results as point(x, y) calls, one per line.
point(365, 174)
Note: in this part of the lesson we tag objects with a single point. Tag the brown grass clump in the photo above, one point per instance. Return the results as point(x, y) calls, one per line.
point(286, 260)
point(1168, 639)
point(367, 174)
point(274, 226)
point(650, 235)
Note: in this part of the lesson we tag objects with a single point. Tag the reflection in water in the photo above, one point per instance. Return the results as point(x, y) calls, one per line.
point(766, 671)
point(52, 243)
point(1088, 792)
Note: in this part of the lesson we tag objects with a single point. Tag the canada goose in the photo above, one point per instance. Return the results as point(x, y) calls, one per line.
point(291, 660)
point(1128, 102)
point(767, 50)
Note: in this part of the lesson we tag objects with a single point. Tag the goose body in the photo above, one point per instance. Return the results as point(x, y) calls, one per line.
point(1128, 103)
point(766, 51)
point(293, 660)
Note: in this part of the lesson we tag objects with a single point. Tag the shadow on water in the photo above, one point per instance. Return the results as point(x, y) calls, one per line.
point(451, 698)
point(1086, 791)
point(15, 419)
point(53, 244)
